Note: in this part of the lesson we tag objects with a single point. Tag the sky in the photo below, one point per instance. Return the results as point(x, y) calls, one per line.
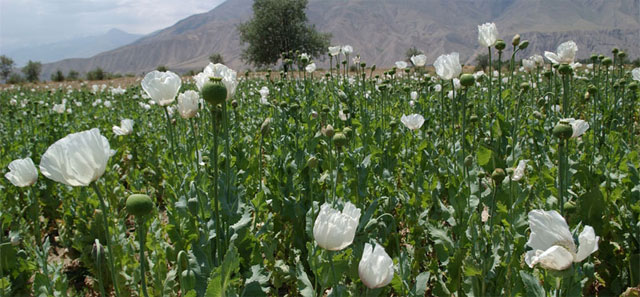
point(35, 22)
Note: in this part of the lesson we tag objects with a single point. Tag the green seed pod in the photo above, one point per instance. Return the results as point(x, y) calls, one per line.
point(565, 69)
point(188, 278)
point(524, 45)
point(607, 61)
point(592, 89)
point(214, 92)
point(347, 131)
point(525, 86)
point(541, 102)
point(615, 51)
point(339, 139)
point(328, 131)
point(139, 205)
point(312, 162)
point(633, 86)
point(498, 175)
point(363, 65)
point(601, 57)
point(264, 128)
point(563, 130)
point(500, 45)
point(373, 68)
point(547, 74)
point(467, 80)
point(593, 58)
point(473, 118)
point(468, 161)
point(515, 41)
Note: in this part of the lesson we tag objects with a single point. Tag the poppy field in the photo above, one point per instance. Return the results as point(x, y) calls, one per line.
point(520, 179)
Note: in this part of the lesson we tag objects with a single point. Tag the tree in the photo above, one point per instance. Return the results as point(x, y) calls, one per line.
point(216, 58)
point(162, 68)
point(57, 76)
point(277, 27)
point(6, 66)
point(96, 74)
point(73, 75)
point(482, 61)
point(412, 51)
point(32, 71)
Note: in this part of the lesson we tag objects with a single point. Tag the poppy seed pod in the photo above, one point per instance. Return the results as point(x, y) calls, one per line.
point(592, 89)
point(468, 161)
point(214, 91)
point(516, 40)
point(467, 80)
point(525, 86)
point(312, 162)
point(547, 74)
point(615, 51)
point(139, 205)
point(347, 131)
point(264, 128)
point(328, 131)
point(594, 58)
point(607, 61)
point(563, 130)
point(565, 69)
point(339, 139)
point(498, 175)
point(500, 45)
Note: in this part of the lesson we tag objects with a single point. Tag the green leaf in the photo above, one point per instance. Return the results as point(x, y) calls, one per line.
point(484, 155)
point(531, 285)
point(304, 284)
point(421, 284)
point(257, 284)
point(221, 276)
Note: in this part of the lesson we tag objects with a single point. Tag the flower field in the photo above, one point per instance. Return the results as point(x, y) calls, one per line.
point(512, 181)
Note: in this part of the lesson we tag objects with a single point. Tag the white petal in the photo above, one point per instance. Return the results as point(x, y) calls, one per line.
point(548, 228)
point(556, 258)
point(588, 243)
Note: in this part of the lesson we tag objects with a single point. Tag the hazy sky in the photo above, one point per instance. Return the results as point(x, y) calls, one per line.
point(32, 22)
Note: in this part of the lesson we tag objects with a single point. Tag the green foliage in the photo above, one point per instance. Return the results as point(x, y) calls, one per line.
point(96, 74)
point(57, 76)
point(216, 58)
point(15, 78)
point(162, 68)
point(73, 75)
point(32, 71)
point(277, 27)
point(6, 67)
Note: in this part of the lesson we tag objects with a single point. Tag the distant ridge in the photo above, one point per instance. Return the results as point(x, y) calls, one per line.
point(83, 47)
point(382, 30)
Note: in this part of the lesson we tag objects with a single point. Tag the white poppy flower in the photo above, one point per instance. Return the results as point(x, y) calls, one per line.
point(518, 173)
point(77, 159)
point(419, 60)
point(635, 73)
point(126, 127)
point(22, 172)
point(229, 77)
point(375, 267)
point(334, 230)
point(310, 68)
point(552, 242)
point(334, 50)
point(347, 49)
point(188, 104)
point(413, 121)
point(579, 126)
point(487, 34)
point(566, 53)
point(448, 66)
point(401, 65)
point(162, 87)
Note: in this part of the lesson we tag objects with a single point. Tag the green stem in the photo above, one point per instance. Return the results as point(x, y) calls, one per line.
point(105, 214)
point(142, 258)
point(216, 202)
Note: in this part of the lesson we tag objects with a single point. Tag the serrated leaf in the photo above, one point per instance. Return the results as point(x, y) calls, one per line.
point(531, 285)
point(304, 284)
point(221, 276)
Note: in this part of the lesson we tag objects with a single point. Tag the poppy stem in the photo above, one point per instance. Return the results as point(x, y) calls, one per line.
point(112, 266)
point(142, 258)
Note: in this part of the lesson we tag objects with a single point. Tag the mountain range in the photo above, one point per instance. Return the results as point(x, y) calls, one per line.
point(83, 47)
point(381, 31)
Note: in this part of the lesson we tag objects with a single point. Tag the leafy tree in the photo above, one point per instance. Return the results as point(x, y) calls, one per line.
point(15, 78)
point(482, 61)
point(277, 27)
point(96, 74)
point(73, 75)
point(216, 58)
point(162, 68)
point(32, 71)
point(6, 66)
point(57, 76)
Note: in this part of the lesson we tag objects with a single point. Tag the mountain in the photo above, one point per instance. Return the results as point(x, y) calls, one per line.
point(83, 47)
point(382, 30)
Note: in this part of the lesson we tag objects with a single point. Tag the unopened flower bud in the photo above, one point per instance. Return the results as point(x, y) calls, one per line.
point(498, 175)
point(524, 45)
point(500, 45)
point(139, 205)
point(339, 139)
point(515, 41)
point(264, 128)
